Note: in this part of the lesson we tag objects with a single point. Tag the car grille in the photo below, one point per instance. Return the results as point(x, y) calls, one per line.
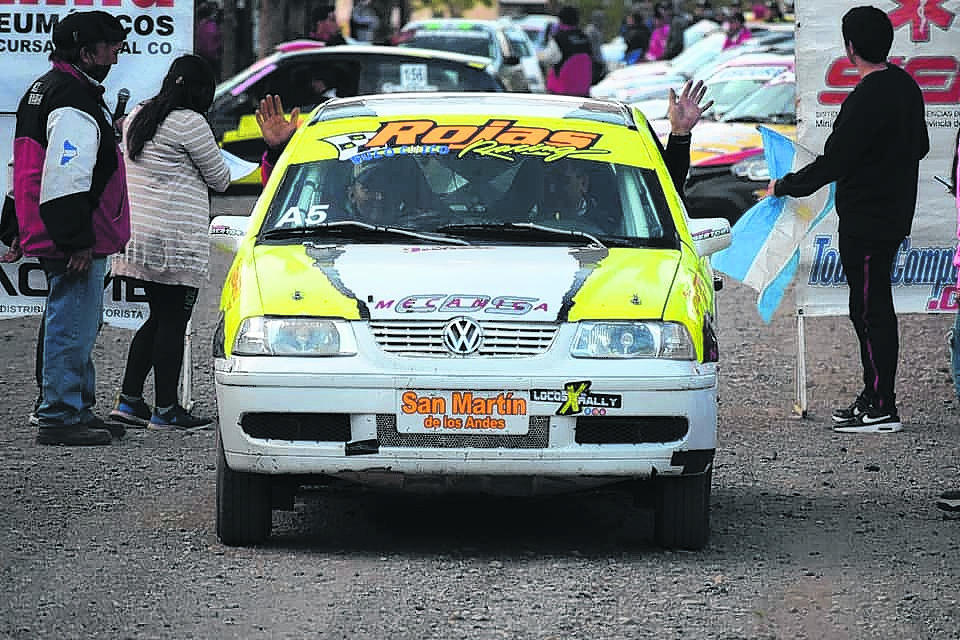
point(500, 339)
point(537, 437)
point(630, 429)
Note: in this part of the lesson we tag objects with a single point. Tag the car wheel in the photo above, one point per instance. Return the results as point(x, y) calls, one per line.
point(682, 510)
point(244, 511)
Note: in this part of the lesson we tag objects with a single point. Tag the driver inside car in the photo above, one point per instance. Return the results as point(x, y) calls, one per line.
point(368, 198)
point(571, 199)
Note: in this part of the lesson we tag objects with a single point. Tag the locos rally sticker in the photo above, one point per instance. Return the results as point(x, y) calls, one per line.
point(576, 398)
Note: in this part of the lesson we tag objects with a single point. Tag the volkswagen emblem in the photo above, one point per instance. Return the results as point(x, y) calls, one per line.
point(462, 336)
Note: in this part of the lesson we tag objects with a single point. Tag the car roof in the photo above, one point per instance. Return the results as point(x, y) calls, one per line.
point(286, 50)
point(293, 52)
point(759, 58)
point(454, 23)
point(494, 104)
point(543, 18)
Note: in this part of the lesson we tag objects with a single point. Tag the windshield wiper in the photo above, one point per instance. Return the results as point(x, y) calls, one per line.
point(353, 228)
point(510, 228)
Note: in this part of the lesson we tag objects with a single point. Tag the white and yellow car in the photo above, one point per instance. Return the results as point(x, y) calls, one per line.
point(471, 292)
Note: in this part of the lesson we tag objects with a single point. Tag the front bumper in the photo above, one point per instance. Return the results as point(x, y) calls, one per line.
point(339, 416)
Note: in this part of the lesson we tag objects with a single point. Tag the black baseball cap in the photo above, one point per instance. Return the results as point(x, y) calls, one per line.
point(80, 28)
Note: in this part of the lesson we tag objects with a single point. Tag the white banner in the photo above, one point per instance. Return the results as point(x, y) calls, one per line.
point(158, 31)
point(927, 45)
point(23, 292)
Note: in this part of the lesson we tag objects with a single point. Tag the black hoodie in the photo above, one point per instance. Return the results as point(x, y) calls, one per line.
point(873, 154)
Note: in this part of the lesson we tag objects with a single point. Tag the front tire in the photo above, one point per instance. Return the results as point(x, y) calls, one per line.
point(682, 510)
point(244, 509)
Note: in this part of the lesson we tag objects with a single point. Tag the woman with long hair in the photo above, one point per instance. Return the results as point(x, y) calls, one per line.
point(172, 159)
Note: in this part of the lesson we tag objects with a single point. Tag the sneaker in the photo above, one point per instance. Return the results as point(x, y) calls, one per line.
point(846, 414)
point(176, 418)
point(34, 418)
point(133, 411)
point(871, 420)
point(114, 429)
point(949, 500)
point(78, 435)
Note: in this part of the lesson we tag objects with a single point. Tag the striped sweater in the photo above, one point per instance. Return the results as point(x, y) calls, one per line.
point(169, 201)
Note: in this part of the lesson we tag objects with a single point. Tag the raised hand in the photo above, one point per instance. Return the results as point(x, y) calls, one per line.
point(685, 111)
point(275, 127)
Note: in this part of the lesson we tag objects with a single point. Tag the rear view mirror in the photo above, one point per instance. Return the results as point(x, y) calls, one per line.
point(226, 232)
point(710, 235)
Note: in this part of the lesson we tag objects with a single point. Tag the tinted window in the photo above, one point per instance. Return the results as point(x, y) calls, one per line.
point(474, 43)
point(774, 103)
point(519, 44)
point(390, 74)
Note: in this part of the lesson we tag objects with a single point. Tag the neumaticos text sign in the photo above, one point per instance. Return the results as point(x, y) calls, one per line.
point(157, 32)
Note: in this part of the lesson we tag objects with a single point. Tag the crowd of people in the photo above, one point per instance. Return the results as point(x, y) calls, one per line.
point(102, 205)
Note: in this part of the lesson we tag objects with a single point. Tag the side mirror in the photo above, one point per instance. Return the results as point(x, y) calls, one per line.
point(511, 61)
point(226, 232)
point(710, 235)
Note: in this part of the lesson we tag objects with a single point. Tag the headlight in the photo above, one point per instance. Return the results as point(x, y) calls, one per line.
point(294, 337)
point(667, 340)
point(755, 169)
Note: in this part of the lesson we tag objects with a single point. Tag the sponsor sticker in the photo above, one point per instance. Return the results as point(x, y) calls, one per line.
point(576, 398)
point(462, 412)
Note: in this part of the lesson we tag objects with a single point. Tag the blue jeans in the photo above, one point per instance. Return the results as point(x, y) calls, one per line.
point(955, 360)
point(71, 320)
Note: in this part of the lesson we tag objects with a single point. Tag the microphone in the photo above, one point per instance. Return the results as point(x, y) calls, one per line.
point(123, 96)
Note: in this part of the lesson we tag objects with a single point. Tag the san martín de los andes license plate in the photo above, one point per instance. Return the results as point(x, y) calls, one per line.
point(479, 412)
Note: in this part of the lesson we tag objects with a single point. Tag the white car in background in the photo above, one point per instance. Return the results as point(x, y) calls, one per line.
point(514, 59)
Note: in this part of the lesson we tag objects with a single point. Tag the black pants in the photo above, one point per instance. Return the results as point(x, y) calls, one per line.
point(867, 267)
point(158, 343)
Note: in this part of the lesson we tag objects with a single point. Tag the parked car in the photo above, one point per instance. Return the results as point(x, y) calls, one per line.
point(351, 70)
point(476, 293)
point(538, 28)
point(727, 85)
point(507, 45)
point(728, 172)
point(650, 80)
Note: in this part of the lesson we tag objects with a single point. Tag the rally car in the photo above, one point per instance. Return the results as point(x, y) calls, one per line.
point(495, 293)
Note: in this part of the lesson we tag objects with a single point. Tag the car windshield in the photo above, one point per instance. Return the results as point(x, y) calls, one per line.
point(774, 103)
point(700, 53)
point(536, 33)
point(475, 199)
point(472, 42)
point(729, 86)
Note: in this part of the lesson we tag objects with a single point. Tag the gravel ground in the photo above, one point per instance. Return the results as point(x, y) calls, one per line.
point(815, 534)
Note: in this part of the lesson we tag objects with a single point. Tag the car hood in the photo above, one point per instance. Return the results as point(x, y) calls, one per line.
point(536, 284)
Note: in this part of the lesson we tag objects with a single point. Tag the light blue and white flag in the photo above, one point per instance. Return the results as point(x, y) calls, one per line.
point(764, 252)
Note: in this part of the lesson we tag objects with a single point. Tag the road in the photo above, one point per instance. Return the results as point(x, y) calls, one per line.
point(815, 534)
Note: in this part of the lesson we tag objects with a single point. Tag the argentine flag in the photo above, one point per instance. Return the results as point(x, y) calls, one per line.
point(764, 251)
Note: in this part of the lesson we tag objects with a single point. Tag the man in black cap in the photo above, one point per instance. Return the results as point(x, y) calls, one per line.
point(72, 211)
